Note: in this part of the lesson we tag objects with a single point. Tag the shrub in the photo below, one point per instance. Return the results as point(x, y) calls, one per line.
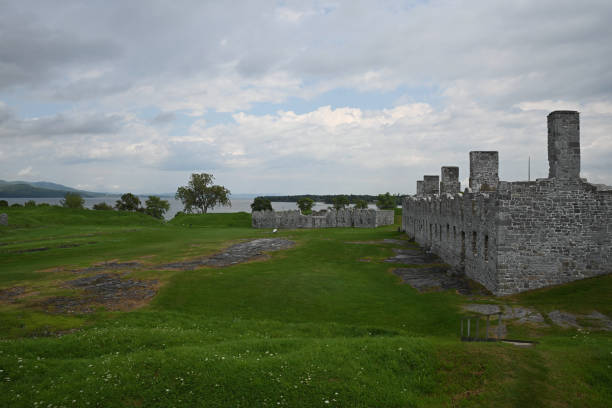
point(128, 202)
point(386, 201)
point(16, 205)
point(72, 200)
point(261, 204)
point(305, 205)
point(156, 207)
point(340, 202)
point(102, 206)
point(44, 205)
point(361, 204)
point(3, 203)
point(30, 204)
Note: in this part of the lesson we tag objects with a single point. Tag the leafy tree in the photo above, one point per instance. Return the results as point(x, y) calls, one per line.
point(30, 204)
point(361, 204)
point(261, 204)
point(200, 194)
point(128, 202)
point(156, 207)
point(305, 204)
point(102, 206)
point(340, 202)
point(386, 201)
point(72, 200)
point(3, 203)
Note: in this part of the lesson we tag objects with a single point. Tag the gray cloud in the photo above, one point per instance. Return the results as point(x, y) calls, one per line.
point(486, 59)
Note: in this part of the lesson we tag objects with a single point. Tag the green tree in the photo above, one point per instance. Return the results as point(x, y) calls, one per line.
point(156, 207)
point(128, 202)
point(30, 204)
point(200, 194)
point(386, 201)
point(3, 203)
point(261, 204)
point(305, 205)
point(72, 200)
point(102, 206)
point(340, 202)
point(361, 205)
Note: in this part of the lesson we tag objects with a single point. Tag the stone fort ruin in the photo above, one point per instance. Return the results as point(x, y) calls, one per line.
point(517, 236)
point(349, 217)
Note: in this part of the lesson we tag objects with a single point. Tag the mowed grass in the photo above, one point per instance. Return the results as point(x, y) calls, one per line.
point(313, 325)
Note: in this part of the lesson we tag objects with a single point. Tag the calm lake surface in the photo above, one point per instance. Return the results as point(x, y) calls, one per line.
point(238, 204)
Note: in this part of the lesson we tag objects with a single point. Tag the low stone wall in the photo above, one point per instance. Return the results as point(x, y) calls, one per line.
point(324, 219)
point(3, 219)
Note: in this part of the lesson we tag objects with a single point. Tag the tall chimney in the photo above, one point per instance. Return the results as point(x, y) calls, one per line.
point(564, 144)
point(450, 180)
point(484, 171)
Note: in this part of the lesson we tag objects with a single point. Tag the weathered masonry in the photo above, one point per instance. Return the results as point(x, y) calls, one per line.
point(516, 236)
point(324, 219)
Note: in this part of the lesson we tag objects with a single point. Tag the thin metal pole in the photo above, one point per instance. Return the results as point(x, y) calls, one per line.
point(477, 321)
point(529, 168)
point(487, 333)
point(499, 326)
point(461, 328)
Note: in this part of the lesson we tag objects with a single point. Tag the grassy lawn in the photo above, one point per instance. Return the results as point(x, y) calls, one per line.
point(313, 325)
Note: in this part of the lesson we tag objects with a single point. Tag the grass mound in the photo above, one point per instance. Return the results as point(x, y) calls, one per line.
point(313, 325)
point(23, 217)
point(213, 220)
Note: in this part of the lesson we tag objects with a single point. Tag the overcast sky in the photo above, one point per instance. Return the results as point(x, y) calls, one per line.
point(296, 97)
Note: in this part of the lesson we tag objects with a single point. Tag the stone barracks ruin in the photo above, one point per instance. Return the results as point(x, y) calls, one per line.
point(517, 236)
point(324, 219)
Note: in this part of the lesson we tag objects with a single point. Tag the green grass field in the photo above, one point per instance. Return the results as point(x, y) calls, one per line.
point(312, 326)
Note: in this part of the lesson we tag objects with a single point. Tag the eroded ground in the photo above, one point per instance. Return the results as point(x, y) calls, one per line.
point(110, 285)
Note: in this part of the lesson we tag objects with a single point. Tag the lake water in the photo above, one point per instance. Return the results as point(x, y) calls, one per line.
point(238, 204)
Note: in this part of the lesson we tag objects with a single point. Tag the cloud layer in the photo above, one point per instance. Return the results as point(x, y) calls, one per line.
point(294, 97)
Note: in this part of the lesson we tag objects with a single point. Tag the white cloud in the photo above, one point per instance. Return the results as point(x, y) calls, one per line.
point(25, 172)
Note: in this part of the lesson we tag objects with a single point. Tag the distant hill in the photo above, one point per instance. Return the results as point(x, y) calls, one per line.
point(39, 189)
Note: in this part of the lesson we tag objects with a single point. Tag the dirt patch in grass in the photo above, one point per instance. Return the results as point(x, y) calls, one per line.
point(10, 294)
point(433, 278)
point(108, 287)
point(108, 290)
point(235, 254)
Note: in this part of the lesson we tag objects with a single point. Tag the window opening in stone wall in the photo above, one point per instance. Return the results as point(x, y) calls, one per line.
point(447, 232)
point(454, 233)
point(462, 247)
point(430, 232)
point(474, 238)
point(440, 230)
point(486, 248)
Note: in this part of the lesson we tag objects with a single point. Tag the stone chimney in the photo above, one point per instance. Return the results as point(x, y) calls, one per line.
point(419, 188)
point(450, 180)
point(431, 185)
point(484, 171)
point(564, 144)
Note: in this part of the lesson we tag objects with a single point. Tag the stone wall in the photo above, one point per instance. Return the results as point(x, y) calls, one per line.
point(516, 236)
point(552, 231)
point(3, 219)
point(325, 219)
point(459, 228)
